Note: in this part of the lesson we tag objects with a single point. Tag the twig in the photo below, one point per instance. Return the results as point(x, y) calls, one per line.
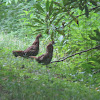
point(76, 54)
point(89, 11)
point(82, 14)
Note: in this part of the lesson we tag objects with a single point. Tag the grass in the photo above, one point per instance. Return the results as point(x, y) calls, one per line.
point(25, 79)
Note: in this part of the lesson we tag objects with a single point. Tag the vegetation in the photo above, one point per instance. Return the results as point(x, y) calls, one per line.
point(74, 26)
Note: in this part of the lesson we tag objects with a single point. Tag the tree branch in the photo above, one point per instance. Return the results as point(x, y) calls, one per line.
point(76, 54)
point(89, 11)
point(82, 14)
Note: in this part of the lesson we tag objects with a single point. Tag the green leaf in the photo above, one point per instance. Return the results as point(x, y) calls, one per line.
point(86, 11)
point(96, 38)
point(41, 29)
point(59, 19)
point(31, 15)
point(38, 7)
point(57, 3)
point(37, 20)
point(32, 25)
point(47, 5)
point(54, 16)
point(80, 7)
point(97, 10)
point(93, 2)
point(51, 8)
point(26, 12)
point(97, 32)
point(47, 31)
point(68, 2)
point(16, 1)
point(52, 36)
point(60, 32)
point(65, 2)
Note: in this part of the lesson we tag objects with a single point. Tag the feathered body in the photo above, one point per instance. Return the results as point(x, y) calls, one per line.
point(47, 57)
point(31, 51)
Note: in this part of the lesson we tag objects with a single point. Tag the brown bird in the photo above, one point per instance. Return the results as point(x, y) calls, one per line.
point(31, 51)
point(47, 57)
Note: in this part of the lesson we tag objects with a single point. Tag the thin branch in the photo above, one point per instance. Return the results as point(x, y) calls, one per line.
point(89, 11)
point(76, 54)
point(82, 14)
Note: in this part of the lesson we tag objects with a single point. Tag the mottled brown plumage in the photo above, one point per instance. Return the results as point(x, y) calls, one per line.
point(47, 57)
point(31, 51)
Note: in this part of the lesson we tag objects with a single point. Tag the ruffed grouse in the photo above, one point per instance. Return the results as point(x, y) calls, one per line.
point(47, 57)
point(31, 51)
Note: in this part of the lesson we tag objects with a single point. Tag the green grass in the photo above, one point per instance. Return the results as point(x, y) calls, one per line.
point(25, 79)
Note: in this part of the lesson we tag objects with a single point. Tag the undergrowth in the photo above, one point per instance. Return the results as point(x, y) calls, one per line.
point(25, 79)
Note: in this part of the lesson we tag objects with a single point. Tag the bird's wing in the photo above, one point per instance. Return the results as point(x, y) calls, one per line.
point(18, 51)
point(30, 48)
point(43, 57)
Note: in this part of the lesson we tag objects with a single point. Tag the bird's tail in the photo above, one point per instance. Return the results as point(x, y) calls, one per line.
point(18, 53)
point(33, 57)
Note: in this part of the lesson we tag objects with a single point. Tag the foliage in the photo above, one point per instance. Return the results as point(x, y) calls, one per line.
point(74, 26)
point(53, 17)
point(25, 79)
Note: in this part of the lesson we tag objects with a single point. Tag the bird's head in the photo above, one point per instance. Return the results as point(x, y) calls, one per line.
point(38, 36)
point(52, 42)
point(50, 47)
point(36, 42)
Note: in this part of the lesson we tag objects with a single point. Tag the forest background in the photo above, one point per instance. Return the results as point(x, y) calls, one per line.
point(74, 73)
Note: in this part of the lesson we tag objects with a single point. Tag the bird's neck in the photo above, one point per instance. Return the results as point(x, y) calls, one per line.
point(37, 40)
point(48, 51)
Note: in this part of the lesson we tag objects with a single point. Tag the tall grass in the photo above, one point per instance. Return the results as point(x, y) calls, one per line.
point(25, 79)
